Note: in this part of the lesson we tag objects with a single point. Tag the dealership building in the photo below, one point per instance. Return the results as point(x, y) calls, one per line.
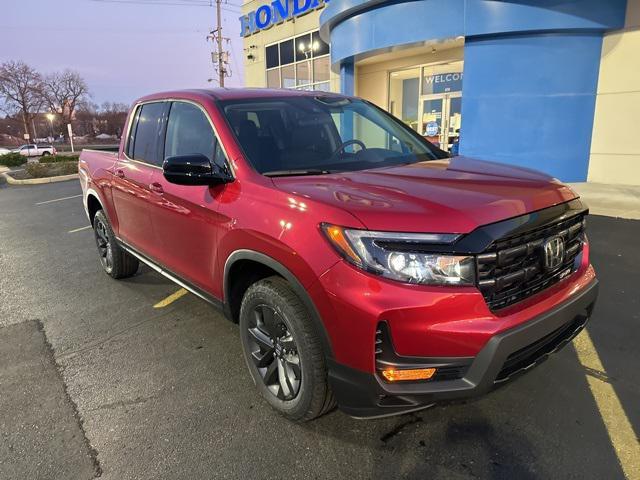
point(548, 84)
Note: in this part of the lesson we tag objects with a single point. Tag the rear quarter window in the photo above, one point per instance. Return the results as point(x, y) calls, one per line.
point(146, 136)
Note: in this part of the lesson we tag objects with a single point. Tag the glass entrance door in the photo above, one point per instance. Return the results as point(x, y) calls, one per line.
point(440, 117)
point(428, 98)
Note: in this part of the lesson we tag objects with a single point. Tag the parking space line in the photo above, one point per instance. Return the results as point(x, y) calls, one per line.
point(79, 229)
point(171, 298)
point(621, 433)
point(58, 199)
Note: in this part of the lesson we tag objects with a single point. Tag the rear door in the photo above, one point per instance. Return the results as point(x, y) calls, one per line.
point(185, 218)
point(132, 175)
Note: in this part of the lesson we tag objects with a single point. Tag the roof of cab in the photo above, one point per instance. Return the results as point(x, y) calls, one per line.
point(232, 94)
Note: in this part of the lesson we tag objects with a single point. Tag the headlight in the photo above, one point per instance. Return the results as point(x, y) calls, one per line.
point(402, 256)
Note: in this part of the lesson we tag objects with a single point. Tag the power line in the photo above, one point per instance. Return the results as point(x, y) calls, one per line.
point(180, 3)
point(204, 3)
point(219, 57)
point(137, 31)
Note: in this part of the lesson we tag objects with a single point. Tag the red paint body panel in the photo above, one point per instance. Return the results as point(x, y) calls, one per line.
point(187, 224)
point(426, 321)
point(193, 231)
point(446, 196)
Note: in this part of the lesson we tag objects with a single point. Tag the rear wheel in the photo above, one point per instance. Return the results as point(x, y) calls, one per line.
point(117, 262)
point(283, 351)
point(44, 154)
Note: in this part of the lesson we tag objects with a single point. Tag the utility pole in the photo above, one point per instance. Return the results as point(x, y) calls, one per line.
point(221, 69)
point(219, 56)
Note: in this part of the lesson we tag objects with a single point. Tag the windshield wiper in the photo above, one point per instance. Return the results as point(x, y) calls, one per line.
point(291, 173)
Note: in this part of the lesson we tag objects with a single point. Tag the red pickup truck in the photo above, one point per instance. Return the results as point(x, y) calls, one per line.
point(364, 266)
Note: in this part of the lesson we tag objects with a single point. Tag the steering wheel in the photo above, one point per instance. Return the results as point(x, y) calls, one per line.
point(346, 144)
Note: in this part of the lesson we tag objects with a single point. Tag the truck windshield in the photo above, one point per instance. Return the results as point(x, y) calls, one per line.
point(307, 135)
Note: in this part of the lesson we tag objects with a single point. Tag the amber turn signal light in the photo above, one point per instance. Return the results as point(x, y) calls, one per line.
point(394, 375)
point(338, 239)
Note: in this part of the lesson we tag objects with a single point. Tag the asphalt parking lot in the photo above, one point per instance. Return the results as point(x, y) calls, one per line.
point(96, 382)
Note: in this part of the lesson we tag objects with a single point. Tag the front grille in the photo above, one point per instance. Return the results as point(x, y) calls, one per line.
point(511, 269)
point(534, 353)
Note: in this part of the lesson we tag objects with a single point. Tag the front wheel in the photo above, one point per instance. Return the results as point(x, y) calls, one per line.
point(283, 351)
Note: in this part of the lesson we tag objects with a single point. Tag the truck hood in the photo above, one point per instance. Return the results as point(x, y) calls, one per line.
point(453, 195)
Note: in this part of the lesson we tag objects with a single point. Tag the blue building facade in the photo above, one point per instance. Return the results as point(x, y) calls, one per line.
point(530, 68)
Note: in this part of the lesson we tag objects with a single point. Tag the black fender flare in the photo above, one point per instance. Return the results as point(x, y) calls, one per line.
point(283, 271)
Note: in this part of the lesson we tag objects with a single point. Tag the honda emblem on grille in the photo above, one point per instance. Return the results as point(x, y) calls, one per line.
point(553, 250)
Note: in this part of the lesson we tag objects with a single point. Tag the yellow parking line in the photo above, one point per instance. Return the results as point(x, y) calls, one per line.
point(171, 298)
point(623, 438)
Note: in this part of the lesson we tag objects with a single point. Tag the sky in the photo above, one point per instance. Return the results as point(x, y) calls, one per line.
point(124, 49)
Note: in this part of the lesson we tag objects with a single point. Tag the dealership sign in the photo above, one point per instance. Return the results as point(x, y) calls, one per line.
point(276, 12)
point(442, 83)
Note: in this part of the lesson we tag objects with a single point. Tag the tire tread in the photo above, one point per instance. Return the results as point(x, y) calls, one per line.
point(322, 398)
point(124, 264)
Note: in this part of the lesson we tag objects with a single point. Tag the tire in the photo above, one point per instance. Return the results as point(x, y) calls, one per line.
point(277, 334)
point(115, 261)
point(44, 154)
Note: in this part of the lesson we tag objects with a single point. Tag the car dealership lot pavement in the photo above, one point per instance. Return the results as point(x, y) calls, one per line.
point(96, 381)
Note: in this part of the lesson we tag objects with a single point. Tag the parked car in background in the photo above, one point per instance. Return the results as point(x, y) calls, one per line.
point(365, 266)
point(33, 150)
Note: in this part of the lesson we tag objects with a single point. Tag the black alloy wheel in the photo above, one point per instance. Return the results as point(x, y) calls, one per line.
point(274, 352)
point(284, 351)
point(117, 262)
point(105, 248)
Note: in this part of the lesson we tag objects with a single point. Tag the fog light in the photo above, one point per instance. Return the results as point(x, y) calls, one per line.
point(394, 375)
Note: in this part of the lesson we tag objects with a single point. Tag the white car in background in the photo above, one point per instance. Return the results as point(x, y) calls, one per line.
point(33, 150)
point(4, 151)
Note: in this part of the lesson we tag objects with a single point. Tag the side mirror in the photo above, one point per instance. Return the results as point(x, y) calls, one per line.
point(193, 169)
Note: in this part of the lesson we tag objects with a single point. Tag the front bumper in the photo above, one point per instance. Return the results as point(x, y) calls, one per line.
point(505, 355)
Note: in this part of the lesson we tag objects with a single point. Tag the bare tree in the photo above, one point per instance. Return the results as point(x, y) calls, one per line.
point(21, 90)
point(86, 118)
point(112, 117)
point(64, 92)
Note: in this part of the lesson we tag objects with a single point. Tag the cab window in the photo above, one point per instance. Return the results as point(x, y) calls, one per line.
point(148, 129)
point(189, 132)
point(132, 132)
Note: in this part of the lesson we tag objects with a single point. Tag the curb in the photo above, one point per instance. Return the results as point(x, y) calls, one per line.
point(38, 181)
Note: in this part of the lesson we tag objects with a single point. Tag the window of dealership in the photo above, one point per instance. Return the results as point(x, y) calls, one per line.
point(428, 98)
point(301, 62)
point(533, 85)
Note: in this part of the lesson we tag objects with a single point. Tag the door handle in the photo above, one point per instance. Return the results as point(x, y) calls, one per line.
point(155, 187)
point(119, 173)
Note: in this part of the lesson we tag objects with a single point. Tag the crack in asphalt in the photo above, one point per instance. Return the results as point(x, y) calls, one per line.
point(124, 403)
point(600, 375)
point(97, 344)
point(93, 453)
point(398, 428)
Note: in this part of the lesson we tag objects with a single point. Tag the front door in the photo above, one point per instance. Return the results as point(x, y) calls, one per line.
point(185, 218)
point(440, 118)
